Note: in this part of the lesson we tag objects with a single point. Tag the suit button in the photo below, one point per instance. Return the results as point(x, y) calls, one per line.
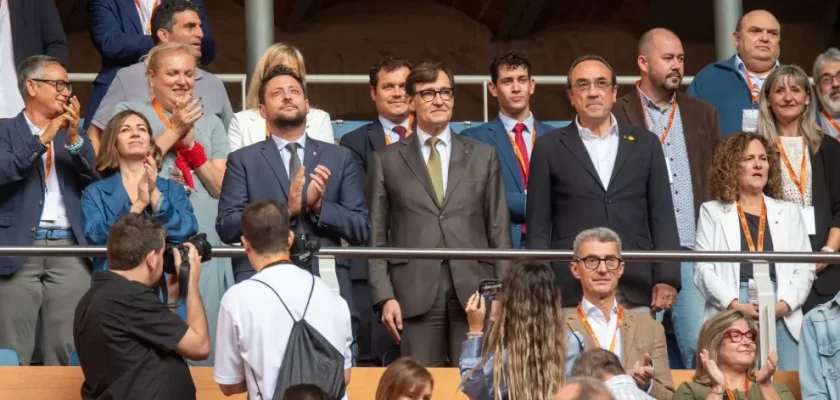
point(441, 217)
point(608, 201)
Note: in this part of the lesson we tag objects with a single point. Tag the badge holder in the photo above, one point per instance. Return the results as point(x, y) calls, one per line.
point(766, 310)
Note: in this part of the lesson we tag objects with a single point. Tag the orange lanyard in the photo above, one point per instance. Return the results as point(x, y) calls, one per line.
point(746, 392)
point(762, 223)
point(49, 162)
point(588, 327)
point(523, 163)
point(407, 133)
point(267, 130)
point(143, 15)
point(801, 183)
point(751, 87)
point(832, 122)
point(160, 113)
point(670, 117)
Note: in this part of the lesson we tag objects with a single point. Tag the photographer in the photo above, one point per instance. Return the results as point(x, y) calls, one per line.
point(130, 344)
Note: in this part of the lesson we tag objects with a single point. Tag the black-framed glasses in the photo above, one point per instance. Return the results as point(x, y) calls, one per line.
point(826, 79)
point(737, 336)
point(59, 85)
point(592, 262)
point(429, 94)
point(600, 84)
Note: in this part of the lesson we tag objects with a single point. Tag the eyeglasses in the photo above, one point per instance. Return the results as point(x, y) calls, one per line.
point(826, 80)
point(429, 94)
point(600, 84)
point(60, 86)
point(737, 336)
point(592, 262)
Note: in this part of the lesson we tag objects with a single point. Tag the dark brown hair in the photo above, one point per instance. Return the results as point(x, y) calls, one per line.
point(426, 72)
point(387, 64)
point(131, 239)
point(727, 167)
point(597, 363)
point(108, 158)
point(403, 377)
point(511, 59)
point(265, 224)
point(278, 70)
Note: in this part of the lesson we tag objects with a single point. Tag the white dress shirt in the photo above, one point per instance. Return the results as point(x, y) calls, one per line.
point(757, 81)
point(602, 149)
point(144, 10)
point(623, 387)
point(444, 147)
point(54, 214)
point(12, 102)
point(286, 155)
point(388, 127)
point(527, 135)
point(604, 330)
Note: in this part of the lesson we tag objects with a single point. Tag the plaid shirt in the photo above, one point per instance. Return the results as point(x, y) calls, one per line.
point(623, 387)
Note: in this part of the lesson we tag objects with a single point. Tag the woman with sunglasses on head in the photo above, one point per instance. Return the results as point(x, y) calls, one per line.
point(726, 363)
point(750, 215)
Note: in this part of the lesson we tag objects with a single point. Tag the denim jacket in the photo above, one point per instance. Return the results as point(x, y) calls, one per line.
point(819, 352)
point(479, 386)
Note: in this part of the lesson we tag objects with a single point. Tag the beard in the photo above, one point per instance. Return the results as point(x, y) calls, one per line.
point(670, 86)
point(830, 105)
point(284, 121)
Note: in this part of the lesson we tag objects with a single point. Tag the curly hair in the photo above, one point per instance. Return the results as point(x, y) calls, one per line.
point(727, 167)
point(530, 327)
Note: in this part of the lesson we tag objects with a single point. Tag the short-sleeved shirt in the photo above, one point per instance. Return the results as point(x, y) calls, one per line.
point(254, 328)
point(131, 84)
point(126, 339)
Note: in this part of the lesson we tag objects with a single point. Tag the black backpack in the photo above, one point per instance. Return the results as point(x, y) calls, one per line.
point(309, 359)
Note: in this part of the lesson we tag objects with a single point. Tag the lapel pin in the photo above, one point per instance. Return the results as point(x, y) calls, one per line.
point(630, 138)
point(314, 153)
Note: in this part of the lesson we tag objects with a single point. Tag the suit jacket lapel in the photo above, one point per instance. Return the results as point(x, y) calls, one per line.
point(571, 139)
point(23, 131)
point(272, 157)
point(505, 149)
point(731, 227)
point(311, 154)
point(411, 153)
point(628, 335)
point(458, 160)
point(17, 20)
point(376, 135)
point(130, 9)
point(632, 107)
point(117, 196)
point(625, 147)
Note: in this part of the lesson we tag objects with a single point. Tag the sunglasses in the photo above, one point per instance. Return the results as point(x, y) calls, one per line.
point(736, 336)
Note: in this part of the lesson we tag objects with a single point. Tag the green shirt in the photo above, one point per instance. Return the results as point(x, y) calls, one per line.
point(699, 391)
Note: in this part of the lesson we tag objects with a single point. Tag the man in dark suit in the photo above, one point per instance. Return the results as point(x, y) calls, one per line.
point(335, 206)
point(689, 131)
point(513, 133)
point(27, 28)
point(45, 165)
point(121, 32)
point(600, 172)
point(435, 189)
point(394, 123)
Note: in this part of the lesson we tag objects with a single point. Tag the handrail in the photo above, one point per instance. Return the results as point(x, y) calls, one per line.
point(468, 254)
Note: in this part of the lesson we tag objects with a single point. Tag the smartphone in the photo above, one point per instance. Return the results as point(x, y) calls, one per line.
point(489, 289)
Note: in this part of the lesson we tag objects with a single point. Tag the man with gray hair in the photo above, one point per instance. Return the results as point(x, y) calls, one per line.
point(45, 164)
point(637, 339)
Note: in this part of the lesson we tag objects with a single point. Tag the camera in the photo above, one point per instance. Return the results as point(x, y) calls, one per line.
point(204, 251)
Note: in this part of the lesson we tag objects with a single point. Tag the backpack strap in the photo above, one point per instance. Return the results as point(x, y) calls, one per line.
point(311, 290)
point(281, 300)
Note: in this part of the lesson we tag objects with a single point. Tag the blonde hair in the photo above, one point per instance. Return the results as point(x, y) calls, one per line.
point(807, 121)
point(529, 336)
point(275, 55)
point(162, 50)
point(711, 336)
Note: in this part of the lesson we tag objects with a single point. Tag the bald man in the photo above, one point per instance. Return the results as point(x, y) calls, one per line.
point(689, 132)
point(583, 388)
point(733, 85)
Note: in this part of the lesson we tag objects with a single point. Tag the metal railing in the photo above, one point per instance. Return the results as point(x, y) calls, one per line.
point(482, 80)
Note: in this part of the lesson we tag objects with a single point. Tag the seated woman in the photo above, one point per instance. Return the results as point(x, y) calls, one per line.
point(726, 363)
point(515, 365)
point(248, 127)
point(127, 161)
point(405, 380)
point(749, 215)
point(195, 149)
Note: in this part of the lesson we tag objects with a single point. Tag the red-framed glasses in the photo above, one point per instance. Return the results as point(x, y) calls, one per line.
point(736, 336)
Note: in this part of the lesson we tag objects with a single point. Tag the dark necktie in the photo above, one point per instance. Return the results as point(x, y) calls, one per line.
point(294, 160)
point(400, 131)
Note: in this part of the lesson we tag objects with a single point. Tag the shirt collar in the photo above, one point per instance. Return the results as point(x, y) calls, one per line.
point(281, 143)
point(621, 380)
point(32, 127)
point(509, 122)
point(647, 102)
point(388, 126)
point(586, 133)
point(589, 308)
point(742, 68)
point(445, 136)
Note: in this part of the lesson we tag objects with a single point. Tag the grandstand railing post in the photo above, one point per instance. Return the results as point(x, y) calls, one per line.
point(259, 30)
point(727, 13)
point(766, 310)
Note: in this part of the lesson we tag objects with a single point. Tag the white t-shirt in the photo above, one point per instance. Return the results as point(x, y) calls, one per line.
point(253, 326)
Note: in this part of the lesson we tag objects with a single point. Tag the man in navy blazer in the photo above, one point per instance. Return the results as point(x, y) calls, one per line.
point(120, 32)
point(45, 164)
point(513, 133)
point(335, 204)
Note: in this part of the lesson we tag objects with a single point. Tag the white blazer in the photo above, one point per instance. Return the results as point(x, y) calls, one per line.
point(719, 229)
point(247, 128)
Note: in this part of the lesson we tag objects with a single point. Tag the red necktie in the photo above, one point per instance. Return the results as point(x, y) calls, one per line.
point(523, 150)
point(400, 130)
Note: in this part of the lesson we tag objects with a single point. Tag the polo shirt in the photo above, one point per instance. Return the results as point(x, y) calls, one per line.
point(253, 327)
point(126, 339)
